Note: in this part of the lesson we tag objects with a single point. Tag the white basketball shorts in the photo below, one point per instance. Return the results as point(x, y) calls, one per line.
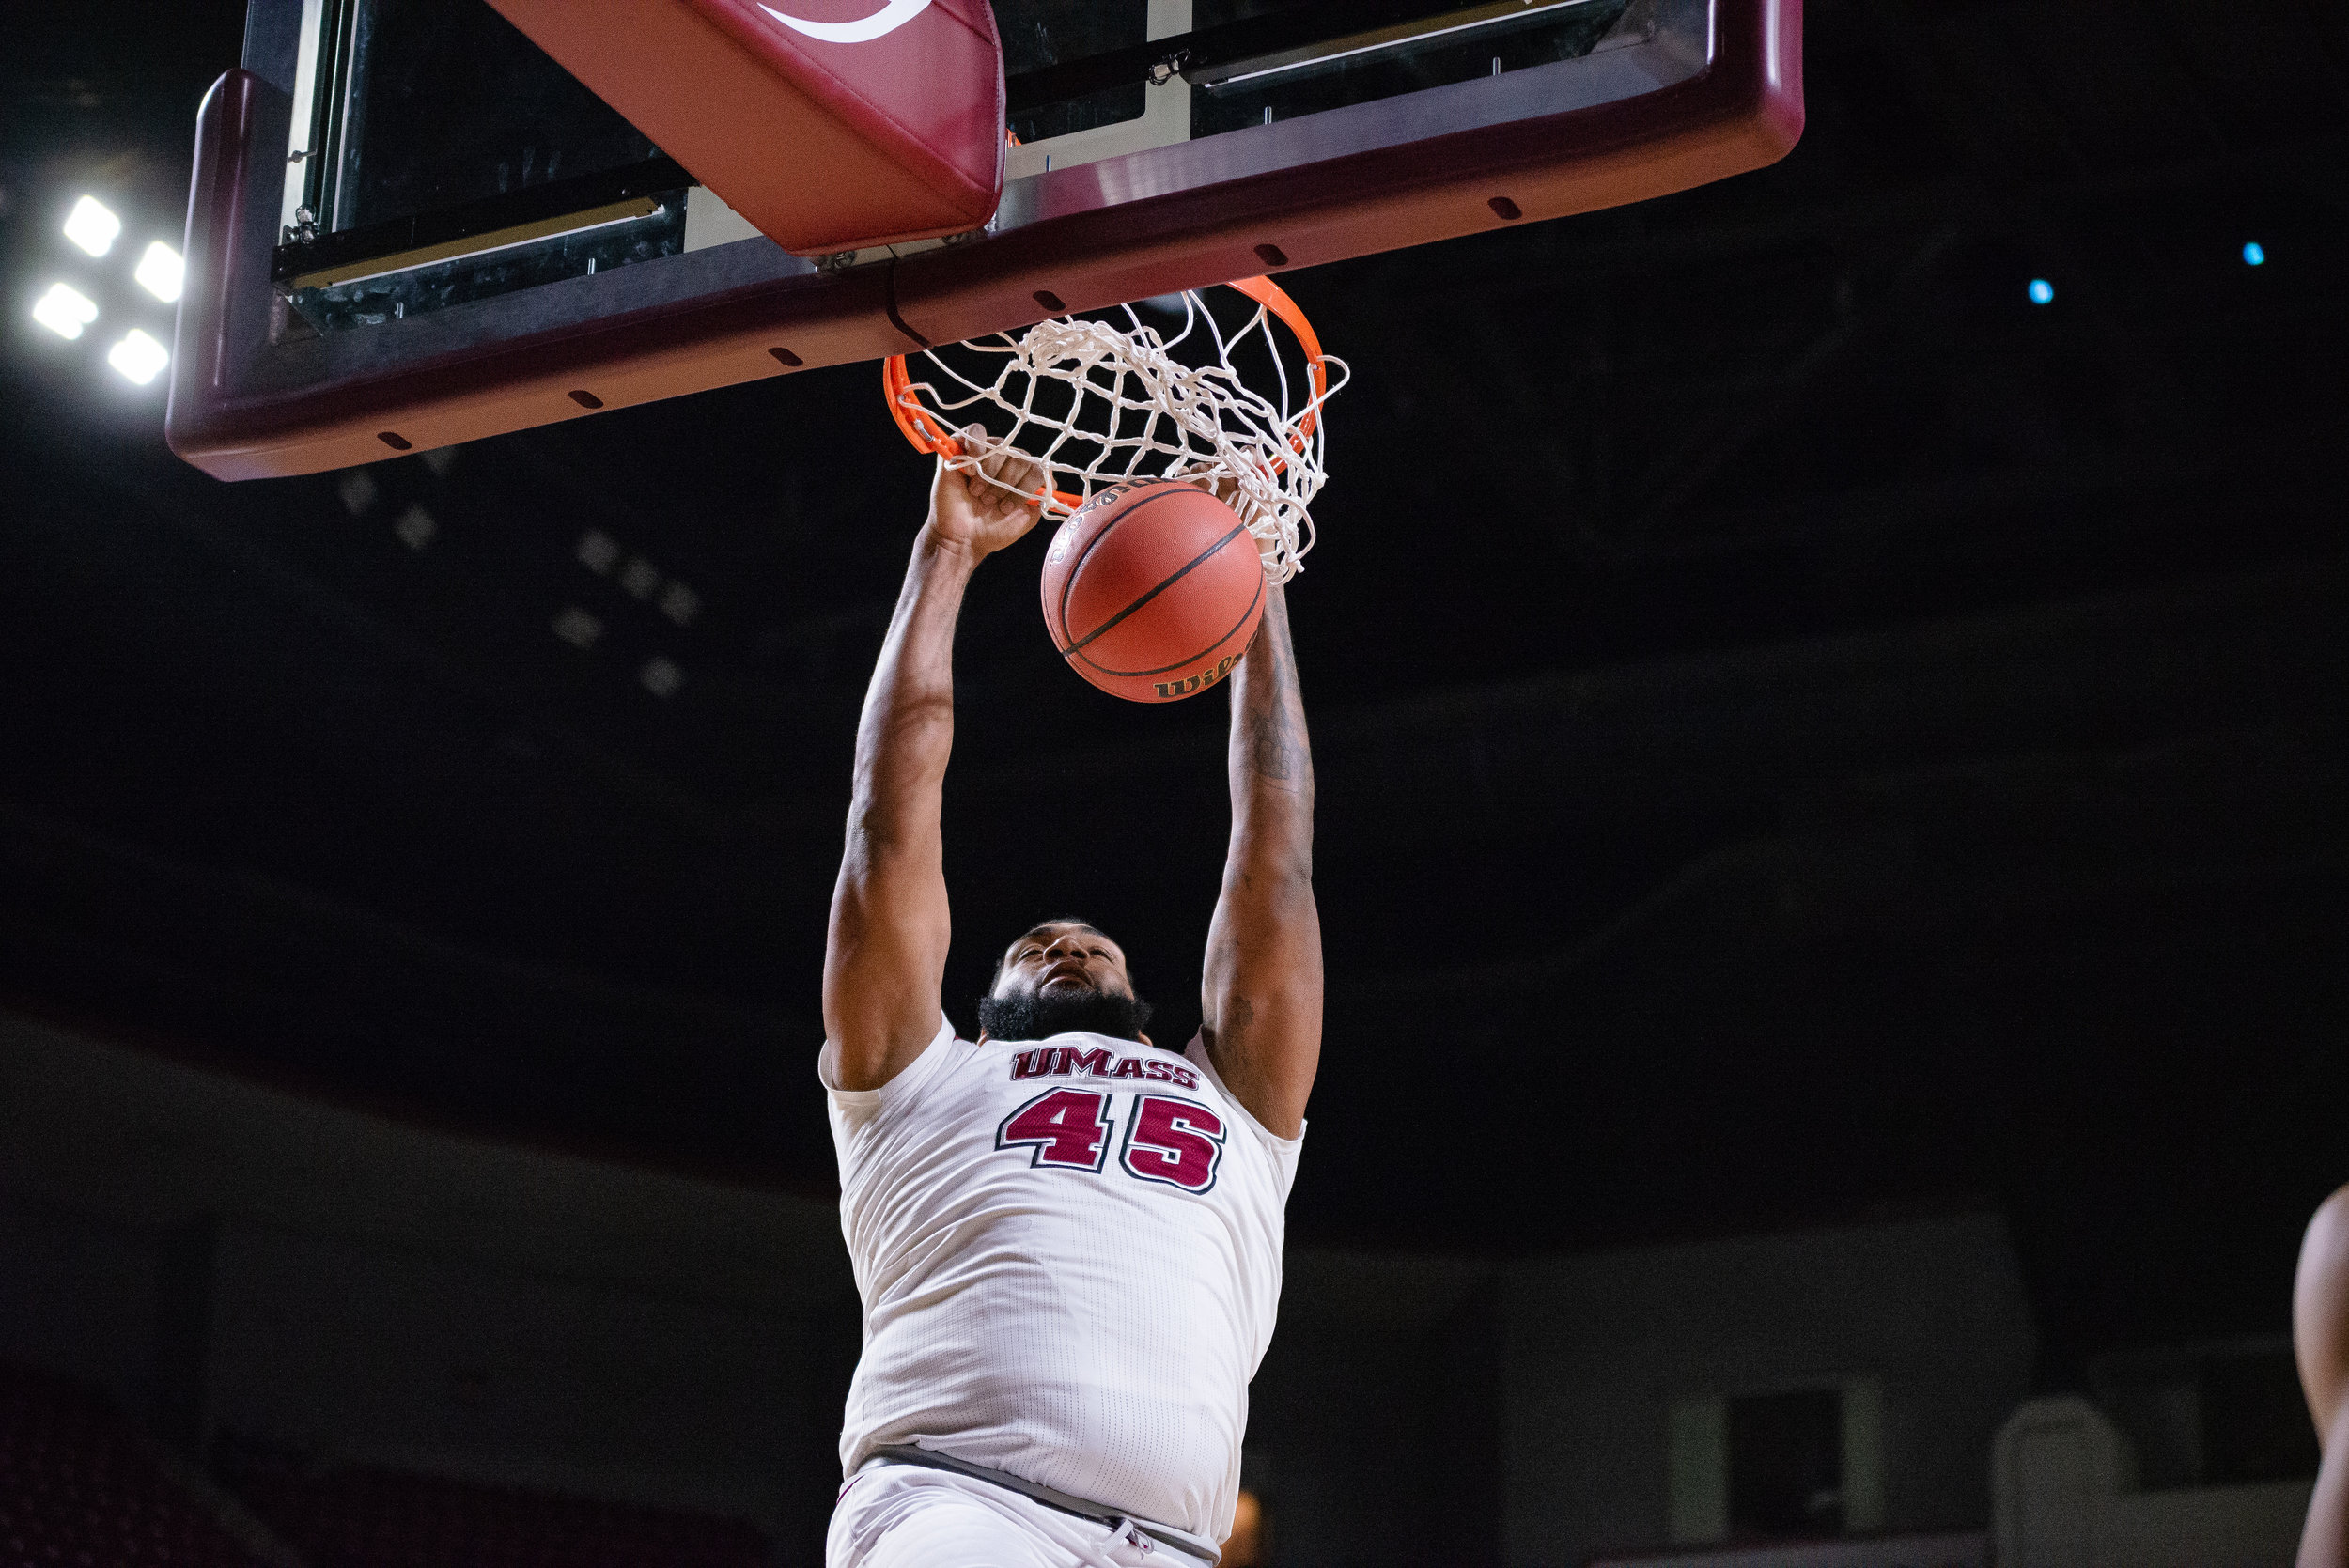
point(906, 1516)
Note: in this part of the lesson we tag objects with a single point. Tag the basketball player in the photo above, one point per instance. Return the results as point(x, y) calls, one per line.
point(1067, 1236)
point(2320, 1343)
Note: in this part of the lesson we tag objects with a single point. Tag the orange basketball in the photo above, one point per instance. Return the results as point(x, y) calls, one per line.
point(1152, 590)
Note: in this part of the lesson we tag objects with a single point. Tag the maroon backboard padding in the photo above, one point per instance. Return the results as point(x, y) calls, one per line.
point(245, 406)
point(1630, 123)
point(218, 286)
point(825, 143)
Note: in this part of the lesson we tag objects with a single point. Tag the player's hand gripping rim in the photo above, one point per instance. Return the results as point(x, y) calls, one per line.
point(978, 510)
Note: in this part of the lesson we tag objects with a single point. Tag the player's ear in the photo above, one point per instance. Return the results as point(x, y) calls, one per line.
point(1145, 1039)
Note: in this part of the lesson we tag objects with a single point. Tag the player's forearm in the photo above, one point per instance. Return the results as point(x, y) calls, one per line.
point(886, 948)
point(907, 728)
point(1266, 936)
point(1261, 1002)
point(1271, 763)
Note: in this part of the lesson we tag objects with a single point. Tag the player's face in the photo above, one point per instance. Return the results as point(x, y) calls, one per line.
point(1063, 958)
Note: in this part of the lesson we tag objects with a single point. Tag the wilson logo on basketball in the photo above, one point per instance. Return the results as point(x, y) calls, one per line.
point(1172, 689)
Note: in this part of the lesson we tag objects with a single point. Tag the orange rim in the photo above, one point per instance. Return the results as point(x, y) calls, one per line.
point(929, 438)
point(1275, 299)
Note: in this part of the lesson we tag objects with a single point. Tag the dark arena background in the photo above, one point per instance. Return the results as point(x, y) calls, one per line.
point(1828, 697)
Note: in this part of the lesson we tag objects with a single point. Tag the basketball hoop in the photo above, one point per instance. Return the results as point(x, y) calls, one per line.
point(1097, 405)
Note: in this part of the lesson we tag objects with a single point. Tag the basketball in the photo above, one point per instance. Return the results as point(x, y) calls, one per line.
point(1152, 590)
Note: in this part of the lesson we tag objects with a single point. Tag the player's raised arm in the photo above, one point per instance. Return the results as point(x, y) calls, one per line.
point(885, 955)
point(1261, 1003)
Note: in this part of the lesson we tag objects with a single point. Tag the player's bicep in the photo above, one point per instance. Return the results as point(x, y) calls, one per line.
point(1261, 1002)
point(884, 960)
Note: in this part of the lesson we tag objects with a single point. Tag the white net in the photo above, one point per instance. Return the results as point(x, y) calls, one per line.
point(1097, 405)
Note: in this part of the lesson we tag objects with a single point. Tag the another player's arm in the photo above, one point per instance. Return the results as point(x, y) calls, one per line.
point(2320, 1343)
point(1261, 1003)
point(885, 955)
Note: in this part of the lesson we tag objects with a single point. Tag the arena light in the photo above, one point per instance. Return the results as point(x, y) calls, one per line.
point(2254, 254)
point(65, 310)
point(139, 357)
point(91, 227)
point(161, 271)
point(2041, 292)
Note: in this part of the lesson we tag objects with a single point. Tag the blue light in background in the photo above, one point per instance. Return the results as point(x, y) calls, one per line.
point(2042, 291)
point(2254, 254)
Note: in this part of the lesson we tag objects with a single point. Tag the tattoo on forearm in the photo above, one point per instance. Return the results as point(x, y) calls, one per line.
point(1272, 749)
point(1269, 712)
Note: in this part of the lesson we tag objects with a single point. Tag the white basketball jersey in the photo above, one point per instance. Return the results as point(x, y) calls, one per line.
point(1069, 1253)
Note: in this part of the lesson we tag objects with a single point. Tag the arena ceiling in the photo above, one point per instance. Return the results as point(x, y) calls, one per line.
point(1804, 731)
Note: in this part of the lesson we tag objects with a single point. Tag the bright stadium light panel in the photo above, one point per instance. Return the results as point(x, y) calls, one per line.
point(160, 271)
point(91, 227)
point(64, 310)
point(138, 356)
point(2254, 254)
point(2042, 291)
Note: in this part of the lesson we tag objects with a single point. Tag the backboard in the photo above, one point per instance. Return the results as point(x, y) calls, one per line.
point(409, 228)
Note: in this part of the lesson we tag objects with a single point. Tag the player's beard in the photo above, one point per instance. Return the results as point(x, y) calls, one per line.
point(1032, 1015)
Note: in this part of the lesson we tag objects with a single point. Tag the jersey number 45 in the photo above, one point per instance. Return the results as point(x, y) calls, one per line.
point(1179, 1142)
